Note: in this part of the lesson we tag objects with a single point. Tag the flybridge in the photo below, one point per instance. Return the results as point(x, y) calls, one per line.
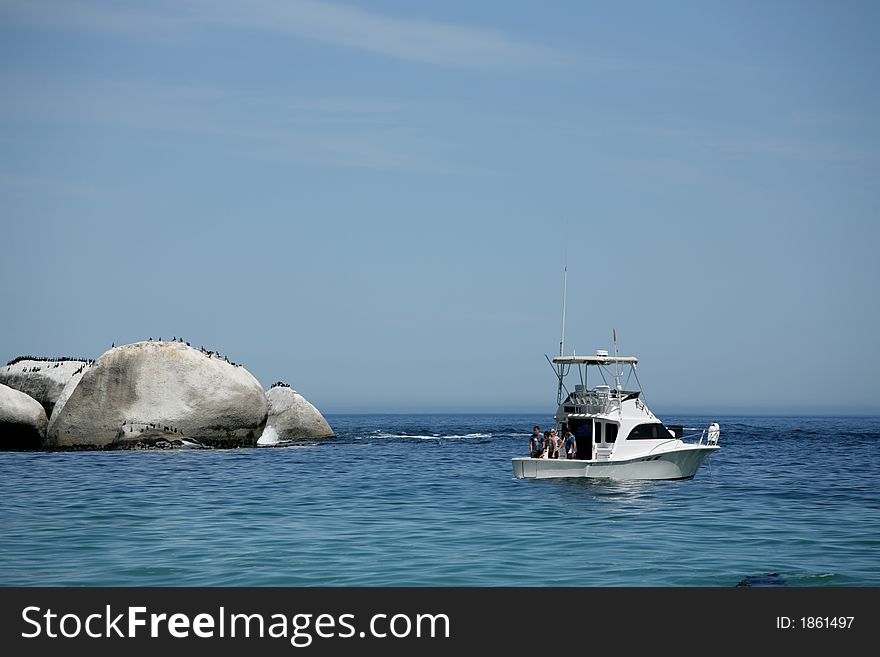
point(562, 364)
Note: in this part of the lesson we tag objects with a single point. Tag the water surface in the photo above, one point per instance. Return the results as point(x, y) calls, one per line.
point(431, 500)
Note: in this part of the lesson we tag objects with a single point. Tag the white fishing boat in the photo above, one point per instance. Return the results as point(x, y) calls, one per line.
point(614, 434)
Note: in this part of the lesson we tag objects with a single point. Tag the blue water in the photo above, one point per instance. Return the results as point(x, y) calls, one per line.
point(431, 500)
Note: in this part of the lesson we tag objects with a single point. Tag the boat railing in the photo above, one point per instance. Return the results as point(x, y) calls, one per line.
point(593, 402)
point(712, 434)
point(698, 436)
point(683, 437)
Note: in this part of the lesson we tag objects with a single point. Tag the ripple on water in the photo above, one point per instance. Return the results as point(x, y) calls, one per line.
point(430, 500)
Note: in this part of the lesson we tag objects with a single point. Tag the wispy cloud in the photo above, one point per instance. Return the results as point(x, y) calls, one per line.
point(795, 149)
point(424, 41)
point(14, 181)
point(413, 40)
point(349, 132)
point(817, 138)
point(86, 15)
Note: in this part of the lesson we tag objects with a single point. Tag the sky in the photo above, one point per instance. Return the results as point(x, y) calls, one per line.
point(375, 201)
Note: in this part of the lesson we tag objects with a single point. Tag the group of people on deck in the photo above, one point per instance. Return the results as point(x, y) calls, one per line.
point(549, 445)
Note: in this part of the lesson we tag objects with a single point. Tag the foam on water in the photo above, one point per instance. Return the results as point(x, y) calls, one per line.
point(433, 436)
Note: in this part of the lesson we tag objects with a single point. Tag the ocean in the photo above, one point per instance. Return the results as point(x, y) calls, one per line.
point(430, 500)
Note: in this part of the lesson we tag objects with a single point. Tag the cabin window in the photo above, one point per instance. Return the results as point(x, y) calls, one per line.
point(611, 432)
point(598, 437)
point(649, 431)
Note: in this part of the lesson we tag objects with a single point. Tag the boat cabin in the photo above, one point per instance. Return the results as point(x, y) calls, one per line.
point(603, 418)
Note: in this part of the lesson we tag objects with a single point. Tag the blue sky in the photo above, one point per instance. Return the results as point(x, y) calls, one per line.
point(373, 201)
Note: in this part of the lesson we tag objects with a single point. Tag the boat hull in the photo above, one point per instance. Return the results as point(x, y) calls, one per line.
point(681, 463)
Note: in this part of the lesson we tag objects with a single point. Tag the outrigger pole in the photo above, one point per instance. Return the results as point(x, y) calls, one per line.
point(562, 337)
point(617, 374)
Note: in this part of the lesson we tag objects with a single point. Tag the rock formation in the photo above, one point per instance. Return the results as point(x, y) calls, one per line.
point(22, 420)
point(42, 379)
point(159, 394)
point(64, 396)
point(292, 417)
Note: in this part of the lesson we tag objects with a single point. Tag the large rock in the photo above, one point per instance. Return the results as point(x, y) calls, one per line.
point(160, 394)
point(22, 420)
point(42, 379)
point(292, 417)
point(64, 396)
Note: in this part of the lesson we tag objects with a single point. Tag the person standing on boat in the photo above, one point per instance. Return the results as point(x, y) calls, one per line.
point(546, 446)
point(557, 443)
point(535, 443)
point(570, 444)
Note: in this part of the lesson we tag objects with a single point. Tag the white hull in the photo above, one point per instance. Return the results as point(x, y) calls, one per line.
point(680, 463)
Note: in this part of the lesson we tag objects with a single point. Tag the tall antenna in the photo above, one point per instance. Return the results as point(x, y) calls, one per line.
point(617, 374)
point(560, 372)
point(564, 296)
